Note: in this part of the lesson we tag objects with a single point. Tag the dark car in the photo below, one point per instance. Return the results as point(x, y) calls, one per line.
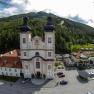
point(63, 82)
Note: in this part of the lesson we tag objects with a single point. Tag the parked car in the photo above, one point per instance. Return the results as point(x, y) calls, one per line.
point(63, 82)
point(60, 73)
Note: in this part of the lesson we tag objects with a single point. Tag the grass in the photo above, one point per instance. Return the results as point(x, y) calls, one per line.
point(9, 78)
point(78, 46)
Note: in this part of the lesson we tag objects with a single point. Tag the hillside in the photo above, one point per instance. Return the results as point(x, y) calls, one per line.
point(67, 32)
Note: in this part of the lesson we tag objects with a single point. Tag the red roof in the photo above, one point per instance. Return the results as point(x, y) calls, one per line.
point(11, 59)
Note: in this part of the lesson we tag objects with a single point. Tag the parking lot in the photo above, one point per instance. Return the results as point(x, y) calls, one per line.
point(75, 86)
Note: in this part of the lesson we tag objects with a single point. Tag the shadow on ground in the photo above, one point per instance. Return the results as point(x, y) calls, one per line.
point(27, 88)
point(30, 88)
point(82, 80)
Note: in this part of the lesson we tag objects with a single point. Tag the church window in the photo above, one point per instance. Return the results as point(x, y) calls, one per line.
point(24, 53)
point(49, 54)
point(37, 64)
point(9, 69)
point(49, 39)
point(24, 40)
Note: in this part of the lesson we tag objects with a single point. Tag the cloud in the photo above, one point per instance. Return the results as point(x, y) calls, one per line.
point(14, 7)
point(77, 10)
point(91, 21)
point(77, 18)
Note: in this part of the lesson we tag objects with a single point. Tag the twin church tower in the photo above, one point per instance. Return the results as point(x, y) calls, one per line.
point(37, 55)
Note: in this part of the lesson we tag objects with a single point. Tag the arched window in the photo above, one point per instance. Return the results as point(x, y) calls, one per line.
point(49, 40)
point(37, 64)
point(24, 40)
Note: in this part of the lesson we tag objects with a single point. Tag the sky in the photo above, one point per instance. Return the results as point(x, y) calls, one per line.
point(76, 10)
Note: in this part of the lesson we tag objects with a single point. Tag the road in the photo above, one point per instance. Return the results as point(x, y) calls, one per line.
point(74, 86)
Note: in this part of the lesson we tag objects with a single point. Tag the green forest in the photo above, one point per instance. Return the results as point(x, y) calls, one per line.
point(70, 35)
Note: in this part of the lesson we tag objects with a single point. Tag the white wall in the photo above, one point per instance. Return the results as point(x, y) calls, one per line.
point(39, 45)
point(27, 36)
point(52, 44)
point(26, 70)
point(43, 48)
point(41, 52)
point(22, 54)
point(10, 71)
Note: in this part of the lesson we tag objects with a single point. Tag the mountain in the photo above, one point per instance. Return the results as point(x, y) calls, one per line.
point(67, 32)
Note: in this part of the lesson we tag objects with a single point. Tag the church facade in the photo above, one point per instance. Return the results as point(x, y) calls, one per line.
point(37, 55)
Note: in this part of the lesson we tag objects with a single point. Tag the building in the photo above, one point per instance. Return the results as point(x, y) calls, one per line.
point(37, 56)
point(85, 58)
point(10, 64)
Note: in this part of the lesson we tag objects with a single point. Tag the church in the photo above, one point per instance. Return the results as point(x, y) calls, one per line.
point(37, 55)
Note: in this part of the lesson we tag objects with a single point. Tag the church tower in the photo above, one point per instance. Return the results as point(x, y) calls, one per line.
point(50, 46)
point(25, 38)
point(25, 44)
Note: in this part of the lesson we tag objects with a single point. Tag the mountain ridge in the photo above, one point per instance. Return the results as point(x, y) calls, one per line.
point(68, 33)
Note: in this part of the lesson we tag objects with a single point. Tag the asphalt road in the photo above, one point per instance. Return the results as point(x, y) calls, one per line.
point(74, 86)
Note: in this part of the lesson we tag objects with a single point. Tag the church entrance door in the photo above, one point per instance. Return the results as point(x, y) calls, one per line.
point(38, 75)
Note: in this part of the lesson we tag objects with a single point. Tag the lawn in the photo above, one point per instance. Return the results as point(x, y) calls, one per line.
point(78, 46)
point(9, 78)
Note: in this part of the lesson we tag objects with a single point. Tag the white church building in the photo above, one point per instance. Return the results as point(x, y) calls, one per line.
point(37, 56)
